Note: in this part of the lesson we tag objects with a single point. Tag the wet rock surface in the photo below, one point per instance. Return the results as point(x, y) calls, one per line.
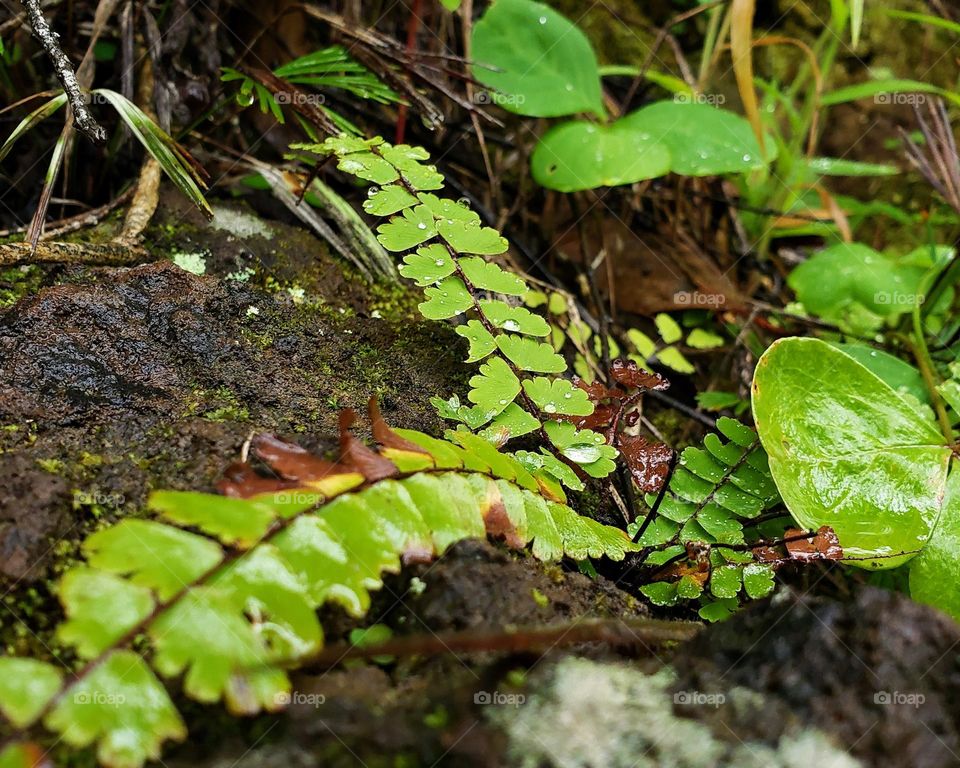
point(117, 381)
point(879, 673)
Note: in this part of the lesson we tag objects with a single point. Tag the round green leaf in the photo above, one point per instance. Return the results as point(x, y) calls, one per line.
point(933, 573)
point(582, 155)
point(847, 451)
point(537, 62)
point(702, 140)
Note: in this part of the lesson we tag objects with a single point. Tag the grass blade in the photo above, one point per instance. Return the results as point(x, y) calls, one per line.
point(37, 116)
point(175, 161)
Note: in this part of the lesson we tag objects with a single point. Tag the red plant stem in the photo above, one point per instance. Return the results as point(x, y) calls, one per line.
point(413, 27)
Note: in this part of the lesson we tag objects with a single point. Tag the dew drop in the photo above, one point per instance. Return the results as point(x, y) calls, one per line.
point(550, 408)
point(421, 225)
point(568, 395)
point(503, 402)
point(439, 262)
point(543, 19)
point(747, 158)
point(511, 325)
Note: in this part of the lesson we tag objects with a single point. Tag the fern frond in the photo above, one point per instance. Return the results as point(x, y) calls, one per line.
point(444, 243)
point(223, 590)
point(699, 532)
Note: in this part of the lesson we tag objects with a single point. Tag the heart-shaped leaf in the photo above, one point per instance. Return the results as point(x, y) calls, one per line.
point(537, 62)
point(703, 140)
point(849, 452)
point(933, 572)
point(582, 155)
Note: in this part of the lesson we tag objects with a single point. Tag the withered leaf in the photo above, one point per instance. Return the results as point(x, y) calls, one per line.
point(629, 374)
point(386, 436)
point(824, 545)
point(292, 462)
point(241, 481)
point(648, 462)
point(598, 391)
point(358, 457)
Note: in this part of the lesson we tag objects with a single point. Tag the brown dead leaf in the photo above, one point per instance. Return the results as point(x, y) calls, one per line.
point(824, 545)
point(632, 376)
point(649, 463)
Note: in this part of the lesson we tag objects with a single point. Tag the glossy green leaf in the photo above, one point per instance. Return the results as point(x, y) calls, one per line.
point(388, 200)
point(409, 161)
point(239, 522)
point(428, 265)
point(934, 571)
point(407, 230)
point(579, 155)
point(514, 319)
point(553, 466)
point(558, 396)
point(262, 585)
point(27, 686)
point(725, 581)
point(495, 387)
point(488, 276)
point(857, 287)
point(899, 374)
point(472, 238)
point(160, 557)
point(513, 422)
point(662, 593)
point(537, 62)
point(212, 668)
point(848, 452)
point(101, 608)
point(449, 210)
point(701, 140)
point(758, 580)
point(122, 708)
point(530, 355)
point(481, 341)
point(448, 299)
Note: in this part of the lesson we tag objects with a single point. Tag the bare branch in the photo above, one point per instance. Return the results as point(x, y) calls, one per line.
point(82, 118)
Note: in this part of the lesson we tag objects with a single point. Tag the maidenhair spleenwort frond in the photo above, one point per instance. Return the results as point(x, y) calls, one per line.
point(703, 538)
point(222, 590)
point(519, 389)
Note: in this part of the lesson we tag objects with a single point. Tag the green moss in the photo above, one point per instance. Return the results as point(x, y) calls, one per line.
point(17, 282)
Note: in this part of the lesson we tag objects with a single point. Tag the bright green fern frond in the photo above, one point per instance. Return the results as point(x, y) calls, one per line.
point(444, 244)
point(223, 591)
